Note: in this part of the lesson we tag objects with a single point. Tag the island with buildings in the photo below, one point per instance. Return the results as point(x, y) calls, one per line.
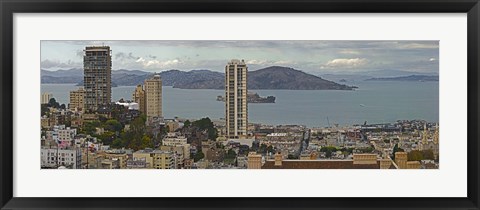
point(92, 132)
point(253, 98)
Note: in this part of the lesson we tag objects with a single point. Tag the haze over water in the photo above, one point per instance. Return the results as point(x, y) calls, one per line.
point(373, 101)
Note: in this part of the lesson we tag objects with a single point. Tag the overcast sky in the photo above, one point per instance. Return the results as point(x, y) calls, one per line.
point(310, 56)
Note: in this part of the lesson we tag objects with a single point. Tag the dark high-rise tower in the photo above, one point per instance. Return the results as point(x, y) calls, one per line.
point(97, 80)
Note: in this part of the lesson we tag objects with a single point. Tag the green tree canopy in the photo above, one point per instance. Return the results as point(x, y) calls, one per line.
point(107, 137)
point(89, 128)
point(396, 149)
point(231, 154)
point(53, 103)
point(206, 124)
point(198, 156)
point(113, 125)
point(415, 155)
point(428, 155)
point(146, 142)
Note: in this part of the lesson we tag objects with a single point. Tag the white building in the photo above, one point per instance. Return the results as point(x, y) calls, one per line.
point(63, 136)
point(172, 139)
point(129, 105)
point(56, 157)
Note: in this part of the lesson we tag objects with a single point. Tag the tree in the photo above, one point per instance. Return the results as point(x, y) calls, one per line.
point(102, 118)
point(198, 156)
point(187, 123)
point(138, 126)
point(113, 125)
point(107, 137)
point(206, 124)
point(219, 145)
point(366, 150)
point(328, 151)
point(146, 142)
point(428, 155)
point(231, 154)
point(415, 155)
point(262, 149)
point(89, 128)
point(270, 149)
point(292, 157)
point(396, 149)
point(44, 110)
point(117, 143)
point(53, 103)
point(68, 123)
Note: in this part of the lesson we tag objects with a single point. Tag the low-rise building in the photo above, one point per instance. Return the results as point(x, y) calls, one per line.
point(157, 159)
point(174, 139)
point(56, 157)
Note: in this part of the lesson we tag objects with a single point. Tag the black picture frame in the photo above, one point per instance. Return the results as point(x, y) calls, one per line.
point(10, 7)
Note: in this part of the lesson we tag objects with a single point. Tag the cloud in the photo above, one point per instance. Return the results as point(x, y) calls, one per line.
point(269, 62)
point(50, 64)
point(345, 63)
point(308, 55)
point(257, 62)
point(418, 45)
point(124, 56)
point(79, 53)
point(349, 52)
point(156, 64)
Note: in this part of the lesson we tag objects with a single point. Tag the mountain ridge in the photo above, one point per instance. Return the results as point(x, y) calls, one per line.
point(273, 77)
point(407, 78)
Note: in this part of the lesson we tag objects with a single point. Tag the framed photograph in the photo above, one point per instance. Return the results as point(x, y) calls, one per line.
point(239, 105)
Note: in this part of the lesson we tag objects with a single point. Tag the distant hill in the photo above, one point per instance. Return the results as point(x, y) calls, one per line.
point(275, 77)
point(60, 80)
point(407, 78)
point(350, 77)
point(119, 77)
point(195, 79)
point(75, 72)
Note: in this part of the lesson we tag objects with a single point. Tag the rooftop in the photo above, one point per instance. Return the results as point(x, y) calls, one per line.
point(319, 164)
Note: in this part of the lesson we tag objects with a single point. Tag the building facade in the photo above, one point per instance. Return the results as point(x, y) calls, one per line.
point(77, 99)
point(157, 159)
point(138, 97)
point(46, 98)
point(97, 80)
point(172, 139)
point(56, 157)
point(153, 97)
point(236, 110)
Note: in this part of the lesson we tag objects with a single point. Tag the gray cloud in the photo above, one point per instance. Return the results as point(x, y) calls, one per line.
point(124, 56)
point(49, 64)
point(79, 53)
point(308, 55)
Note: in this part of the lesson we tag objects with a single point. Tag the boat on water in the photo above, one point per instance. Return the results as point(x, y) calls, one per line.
point(253, 98)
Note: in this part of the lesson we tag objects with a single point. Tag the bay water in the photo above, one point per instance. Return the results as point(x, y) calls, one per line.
point(373, 101)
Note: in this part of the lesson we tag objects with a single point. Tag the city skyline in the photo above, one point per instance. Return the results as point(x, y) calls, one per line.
point(95, 131)
point(316, 57)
